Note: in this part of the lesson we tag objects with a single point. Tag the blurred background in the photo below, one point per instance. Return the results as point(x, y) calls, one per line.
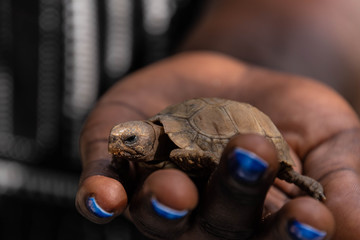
point(56, 58)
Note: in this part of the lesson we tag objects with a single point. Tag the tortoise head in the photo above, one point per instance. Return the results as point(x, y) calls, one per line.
point(133, 140)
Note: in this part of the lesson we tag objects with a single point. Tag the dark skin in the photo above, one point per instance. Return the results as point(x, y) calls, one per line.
point(321, 128)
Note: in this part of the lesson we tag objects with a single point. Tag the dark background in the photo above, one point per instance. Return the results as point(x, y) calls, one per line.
point(56, 58)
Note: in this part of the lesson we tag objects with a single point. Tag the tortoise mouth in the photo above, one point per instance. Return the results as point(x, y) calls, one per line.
point(122, 151)
point(122, 154)
point(157, 164)
point(129, 156)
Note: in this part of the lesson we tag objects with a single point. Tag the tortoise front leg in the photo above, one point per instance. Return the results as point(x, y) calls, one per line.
point(194, 160)
point(307, 184)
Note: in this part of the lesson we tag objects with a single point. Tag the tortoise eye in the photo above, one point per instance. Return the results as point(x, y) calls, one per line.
point(130, 139)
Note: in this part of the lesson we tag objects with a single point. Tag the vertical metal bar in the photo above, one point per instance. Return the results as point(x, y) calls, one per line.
point(49, 73)
point(81, 65)
point(6, 79)
point(81, 57)
point(119, 37)
point(157, 15)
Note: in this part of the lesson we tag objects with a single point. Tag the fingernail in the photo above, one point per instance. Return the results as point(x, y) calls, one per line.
point(246, 166)
point(94, 207)
point(301, 231)
point(165, 211)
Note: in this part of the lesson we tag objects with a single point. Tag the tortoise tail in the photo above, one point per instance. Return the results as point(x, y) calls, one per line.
point(305, 183)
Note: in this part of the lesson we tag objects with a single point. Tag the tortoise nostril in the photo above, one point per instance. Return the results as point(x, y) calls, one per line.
point(112, 139)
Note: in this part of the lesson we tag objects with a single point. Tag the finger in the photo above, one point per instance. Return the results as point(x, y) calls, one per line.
point(235, 195)
point(303, 218)
point(162, 207)
point(101, 196)
point(274, 201)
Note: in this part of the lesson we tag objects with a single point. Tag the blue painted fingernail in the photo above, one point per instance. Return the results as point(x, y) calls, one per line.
point(165, 211)
point(301, 231)
point(94, 207)
point(246, 166)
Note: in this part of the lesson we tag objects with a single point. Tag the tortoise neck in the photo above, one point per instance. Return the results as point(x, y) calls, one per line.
point(158, 130)
point(162, 144)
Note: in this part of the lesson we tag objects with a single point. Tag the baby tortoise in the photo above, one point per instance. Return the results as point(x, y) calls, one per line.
point(192, 135)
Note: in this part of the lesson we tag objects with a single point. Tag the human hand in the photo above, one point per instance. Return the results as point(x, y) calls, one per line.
point(318, 125)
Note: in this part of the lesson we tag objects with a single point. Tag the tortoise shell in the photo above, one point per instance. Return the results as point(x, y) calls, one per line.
point(207, 124)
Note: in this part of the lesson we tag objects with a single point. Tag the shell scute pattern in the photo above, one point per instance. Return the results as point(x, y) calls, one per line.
point(208, 123)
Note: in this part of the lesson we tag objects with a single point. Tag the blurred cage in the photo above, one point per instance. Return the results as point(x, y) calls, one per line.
point(56, 58)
